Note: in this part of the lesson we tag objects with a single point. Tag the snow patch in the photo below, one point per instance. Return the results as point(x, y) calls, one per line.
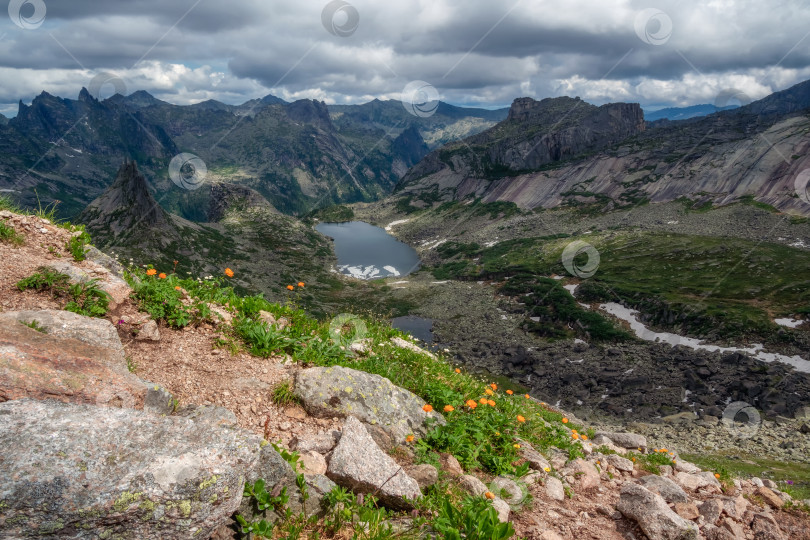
point(571, 288)
point(790, 323)
point(397, 222)
point(641, 331)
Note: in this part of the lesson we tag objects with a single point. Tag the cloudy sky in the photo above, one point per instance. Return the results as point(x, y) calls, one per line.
point(474, 52)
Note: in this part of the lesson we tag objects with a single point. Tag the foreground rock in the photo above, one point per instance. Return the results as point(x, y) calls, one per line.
point(108, 281)
point(69, 469)
point(80, 360)
point(339, 391)
point(358, 463)
point(669, 490)
point(653, 515)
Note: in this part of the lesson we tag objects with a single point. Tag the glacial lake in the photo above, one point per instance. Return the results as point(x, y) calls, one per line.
point(368, 252)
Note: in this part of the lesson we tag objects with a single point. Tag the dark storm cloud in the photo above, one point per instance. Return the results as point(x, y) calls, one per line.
point(473, 52)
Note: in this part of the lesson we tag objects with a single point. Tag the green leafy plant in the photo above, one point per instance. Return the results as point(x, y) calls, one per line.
point(261, 528)
point(282, 394)
point(84, 297)
point(475, 519)
point(263, 499)
point(36, 326)
point(88, 299)
point(261, 338)
point(9, 235)
point(77, 245)
point(651, 462)
point(44, 279)
point(367, 520)
point(160, 297)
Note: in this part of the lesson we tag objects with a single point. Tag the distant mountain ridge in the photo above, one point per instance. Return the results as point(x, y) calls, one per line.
point(298, 155)
point(685, 113)
point(753, 151)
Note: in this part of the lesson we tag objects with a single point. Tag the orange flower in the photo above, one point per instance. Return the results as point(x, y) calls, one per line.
point(575, 435)
point(471, 404)
point(162, 275)
point(634, 459)
point(177, 288)
point(151, 272)
point(584, 437)
point(290, 287)
point(449, 408)
point(427, 408)
point(573, 431)
point(509, 392)
point(229, 272)
point(526, 396)
point(717, 475)
point(494, 386)
point(489, 495)
point(491, 403)
point(521, 419)
point(488, 392)
point(565, 420)
point(409, 438)
point(458, 370)
point(483, 401)
point(301, 284)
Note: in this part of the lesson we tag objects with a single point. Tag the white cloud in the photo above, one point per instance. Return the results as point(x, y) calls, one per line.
point(472, 51)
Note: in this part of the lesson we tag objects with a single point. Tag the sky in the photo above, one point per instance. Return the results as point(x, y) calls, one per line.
point(466, 52)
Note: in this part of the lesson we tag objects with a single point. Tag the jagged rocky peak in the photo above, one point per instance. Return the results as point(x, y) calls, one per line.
point(410, 146)
point(566, 109)
point(227, 197)
point(526, 108)
point(126, 205)
point(309, 111)
point(86, 97)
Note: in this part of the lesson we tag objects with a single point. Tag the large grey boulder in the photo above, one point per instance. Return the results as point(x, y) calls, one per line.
point(653, 514)
point(339, 391)
point(358, 463)
point(79, 360)
point(555, 489)
point(66, 324)
point(82, 471)
point(535, 459)
point(623, 440)
point(669, 490)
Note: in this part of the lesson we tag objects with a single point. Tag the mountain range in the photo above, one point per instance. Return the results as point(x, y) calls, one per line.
point(299, 155)
point(565, 152)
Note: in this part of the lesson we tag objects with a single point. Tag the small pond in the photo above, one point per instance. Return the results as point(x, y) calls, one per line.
point(368, 252)
point(418, 327)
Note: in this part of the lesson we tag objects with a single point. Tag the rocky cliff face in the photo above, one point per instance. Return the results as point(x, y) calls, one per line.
point(227, 197)
point(605, 156)
point(535, 134)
